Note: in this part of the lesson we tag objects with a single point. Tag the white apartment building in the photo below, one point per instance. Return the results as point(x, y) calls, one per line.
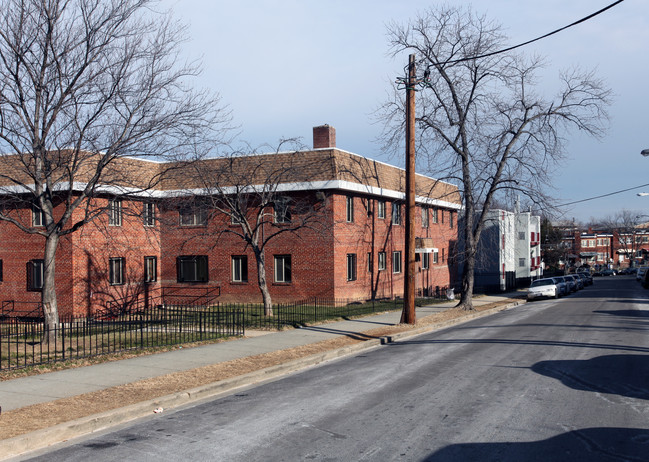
point(509, 253)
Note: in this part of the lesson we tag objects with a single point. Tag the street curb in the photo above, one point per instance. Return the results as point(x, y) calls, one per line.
point(83, 426)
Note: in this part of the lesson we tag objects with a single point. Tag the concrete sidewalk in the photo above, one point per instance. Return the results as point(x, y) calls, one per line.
point(26, 391)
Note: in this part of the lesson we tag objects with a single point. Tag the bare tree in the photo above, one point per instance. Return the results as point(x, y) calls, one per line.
point(83, 85)
point(254, 197)
point(481, 121)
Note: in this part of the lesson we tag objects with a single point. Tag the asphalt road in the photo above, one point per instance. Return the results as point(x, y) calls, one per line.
point(554, 380)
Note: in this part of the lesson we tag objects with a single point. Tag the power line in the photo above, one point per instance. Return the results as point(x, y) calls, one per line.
point(604, 195)
point(505, 50)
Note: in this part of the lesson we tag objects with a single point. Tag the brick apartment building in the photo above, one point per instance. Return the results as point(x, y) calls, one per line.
point(169, 240)
point(605, 249)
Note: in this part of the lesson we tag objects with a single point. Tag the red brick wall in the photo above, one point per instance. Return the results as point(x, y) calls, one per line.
point(318, 256)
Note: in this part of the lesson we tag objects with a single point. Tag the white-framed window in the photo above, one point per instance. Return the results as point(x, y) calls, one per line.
point(283, 268)
point(382, 261)
point(521, 235)
point(396, 261)
point(239, 268)
point(424, 217)
point(38, 216)
point(351, 266)
point(115, 212)
point(116, 266)
point(425, 260)
point(148, 214)
point(522, 262)
point(396, 213)
point(436, 257)
point(193, 216)
point(150, 269)
point(380, 209)
point(192, 268)
point(350, 209)
point(35, 275)
point(282, 210)
point(435, 215)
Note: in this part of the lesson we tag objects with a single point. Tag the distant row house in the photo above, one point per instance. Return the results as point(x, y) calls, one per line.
point(332, 223)
point(606, 249)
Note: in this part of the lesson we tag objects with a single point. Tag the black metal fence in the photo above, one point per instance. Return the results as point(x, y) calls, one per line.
point(25, 343)
point(147, 322)
point(318, 310)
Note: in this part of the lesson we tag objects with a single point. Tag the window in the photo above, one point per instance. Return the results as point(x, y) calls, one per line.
point(443, 256)
point(150, 269)
point(193, 216)
point(35, 275)
point(116, 271)
point(396, 214)
point(282, 210)
point(396, 262)
point(235, 218)
point(239, 268)
point(521, 262)
point(350, 209)
point(425, 260)
point(351, 266)
point(192, 268)
point(450, 219)
point(380, 209)
point(1, 276)
point(435, 213)
point(148, 214)
point(424, 217)
point(115, 212)
point(436, 256)
point(521, 235)
point(370, 262)
point(283, 268)
point(38, 216)
point(382, 261)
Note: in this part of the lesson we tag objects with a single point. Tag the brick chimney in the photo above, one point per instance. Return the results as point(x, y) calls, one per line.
point(324, 136)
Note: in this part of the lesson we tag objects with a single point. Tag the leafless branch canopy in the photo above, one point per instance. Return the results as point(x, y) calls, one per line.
point(481, 122)
point(86, 82)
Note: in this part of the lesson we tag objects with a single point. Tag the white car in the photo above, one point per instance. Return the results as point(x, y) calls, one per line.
point(542, 288)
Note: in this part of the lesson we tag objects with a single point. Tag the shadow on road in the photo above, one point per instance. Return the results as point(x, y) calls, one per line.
point(586, 445)
point(625, 375)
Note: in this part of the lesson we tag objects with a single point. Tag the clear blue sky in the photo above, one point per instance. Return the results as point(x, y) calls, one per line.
point(286, 66)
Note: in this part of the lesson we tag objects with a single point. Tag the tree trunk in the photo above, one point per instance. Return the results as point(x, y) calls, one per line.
point(48, 294)
point(263, 285)
point(466, 297)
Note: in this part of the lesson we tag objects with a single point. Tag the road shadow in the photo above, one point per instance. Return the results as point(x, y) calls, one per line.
point(625, 375)
point(586, 445)
point(626, 313)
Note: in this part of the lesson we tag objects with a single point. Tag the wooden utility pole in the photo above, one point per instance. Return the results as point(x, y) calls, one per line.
point(408, 315)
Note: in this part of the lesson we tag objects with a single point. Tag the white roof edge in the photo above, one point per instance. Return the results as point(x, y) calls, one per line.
point(285, 187)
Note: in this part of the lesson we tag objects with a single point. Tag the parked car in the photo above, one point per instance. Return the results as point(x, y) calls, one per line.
point(639, 275)
point(605, 272)
point(571, 286)
point(586, 277)
point(579, 282)
point(561, 284)
point(543, 288)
